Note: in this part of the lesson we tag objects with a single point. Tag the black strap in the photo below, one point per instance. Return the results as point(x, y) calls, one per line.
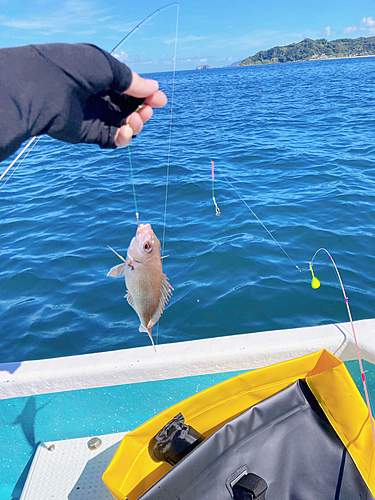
point(250, 487)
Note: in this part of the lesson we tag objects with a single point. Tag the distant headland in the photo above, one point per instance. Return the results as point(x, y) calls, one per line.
point(204, 66)
point(312, 50)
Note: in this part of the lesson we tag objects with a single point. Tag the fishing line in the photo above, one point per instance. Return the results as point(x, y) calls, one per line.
point(315, 283)
point(133, 186)
point(213, 188)
point(147, 18)
point(263, 225)
point(169, 149)
point(363, 376)
point(150, 16)
point(128, 35)
point(17, 158)
point(170, 130)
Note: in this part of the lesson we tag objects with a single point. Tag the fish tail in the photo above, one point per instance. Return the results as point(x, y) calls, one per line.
point(150, 335)
point(147, 329)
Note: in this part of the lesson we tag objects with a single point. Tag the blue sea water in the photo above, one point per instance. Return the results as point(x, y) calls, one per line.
point(297, 143)
point(296, 140)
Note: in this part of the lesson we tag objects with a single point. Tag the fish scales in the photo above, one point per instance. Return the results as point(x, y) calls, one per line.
point(148, 288)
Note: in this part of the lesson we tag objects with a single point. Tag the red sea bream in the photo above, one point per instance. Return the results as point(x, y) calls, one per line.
point(148, 288)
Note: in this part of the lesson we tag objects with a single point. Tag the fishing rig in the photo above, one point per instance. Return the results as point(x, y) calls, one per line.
point(169, 140)
point(146, 19)
point(315, 283)
point(34, 140)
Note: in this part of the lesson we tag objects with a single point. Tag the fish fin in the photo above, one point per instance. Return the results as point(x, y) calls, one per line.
point(117, 271)
point(129, 298)
point(165, 293)
point(142, 329)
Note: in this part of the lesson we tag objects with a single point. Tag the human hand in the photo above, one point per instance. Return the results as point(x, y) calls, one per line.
point(94, 96)
point(154, 98)
point(76, 93)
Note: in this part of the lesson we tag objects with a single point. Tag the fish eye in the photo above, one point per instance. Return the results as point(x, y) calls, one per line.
point(147, 247)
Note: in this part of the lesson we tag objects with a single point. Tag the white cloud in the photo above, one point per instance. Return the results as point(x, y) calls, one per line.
point(368, 27)
point(122, 27)
point(83, 13)
point(23, 24)
point(122, 56)
point(351, 29)
point(368, 21)
point(189, 38)
point(327, 31)
point(142, 64)
point(203, 60)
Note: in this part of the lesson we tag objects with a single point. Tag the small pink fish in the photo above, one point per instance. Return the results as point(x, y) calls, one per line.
point(147, 286)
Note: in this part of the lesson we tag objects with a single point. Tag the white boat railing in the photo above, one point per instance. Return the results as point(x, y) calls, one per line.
point(177, 360)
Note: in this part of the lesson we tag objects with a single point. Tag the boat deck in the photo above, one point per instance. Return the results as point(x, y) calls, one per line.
point(108, 393)
point(70, 469)
point(27, 422)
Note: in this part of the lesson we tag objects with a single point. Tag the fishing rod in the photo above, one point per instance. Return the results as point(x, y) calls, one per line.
point(149, 17)
point(18, 157)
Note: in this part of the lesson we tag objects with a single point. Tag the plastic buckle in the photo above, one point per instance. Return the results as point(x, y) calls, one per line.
point(245, 485)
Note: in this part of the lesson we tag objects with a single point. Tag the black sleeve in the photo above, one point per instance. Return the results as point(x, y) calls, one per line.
point(71, 92)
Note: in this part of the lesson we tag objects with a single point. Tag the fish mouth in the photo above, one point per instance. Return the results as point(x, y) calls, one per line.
point(143, 229)
point(131, 260)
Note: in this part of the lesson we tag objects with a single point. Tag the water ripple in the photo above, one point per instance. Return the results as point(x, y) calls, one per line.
point(297, 142)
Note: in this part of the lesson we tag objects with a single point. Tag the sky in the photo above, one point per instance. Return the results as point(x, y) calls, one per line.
point(213, 32)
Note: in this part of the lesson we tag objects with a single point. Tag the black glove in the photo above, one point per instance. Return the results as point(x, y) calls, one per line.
point(72, 92)
point(93, 81)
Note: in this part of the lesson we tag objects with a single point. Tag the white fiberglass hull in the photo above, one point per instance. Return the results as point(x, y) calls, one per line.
point(198, 357)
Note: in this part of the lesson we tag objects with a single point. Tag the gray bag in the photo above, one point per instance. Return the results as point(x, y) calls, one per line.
point(283, 448)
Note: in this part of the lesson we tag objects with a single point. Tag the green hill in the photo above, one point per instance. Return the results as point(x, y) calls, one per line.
point(314, 49)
